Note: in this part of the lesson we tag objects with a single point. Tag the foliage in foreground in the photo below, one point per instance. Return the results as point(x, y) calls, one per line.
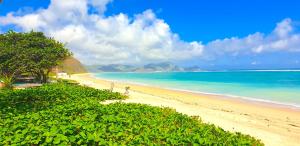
point(70, 114)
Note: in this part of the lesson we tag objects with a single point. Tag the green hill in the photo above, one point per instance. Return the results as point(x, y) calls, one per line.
point(72, 66)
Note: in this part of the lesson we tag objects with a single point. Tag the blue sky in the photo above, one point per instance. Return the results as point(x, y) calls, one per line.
point(207, 20)
point(208, 33)
point(198, 20)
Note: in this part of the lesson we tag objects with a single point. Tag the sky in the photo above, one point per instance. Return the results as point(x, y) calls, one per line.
point(212, 34)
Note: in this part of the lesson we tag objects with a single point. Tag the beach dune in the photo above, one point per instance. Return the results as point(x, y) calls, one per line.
point(273, 124)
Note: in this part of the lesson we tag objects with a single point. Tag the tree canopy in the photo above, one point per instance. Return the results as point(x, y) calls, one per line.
point(30, 52)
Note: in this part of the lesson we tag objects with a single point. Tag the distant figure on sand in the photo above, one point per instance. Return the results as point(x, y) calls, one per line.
point(112, 85)
point(127, 90)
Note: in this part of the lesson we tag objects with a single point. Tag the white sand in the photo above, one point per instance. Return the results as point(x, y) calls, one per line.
point(273, 125)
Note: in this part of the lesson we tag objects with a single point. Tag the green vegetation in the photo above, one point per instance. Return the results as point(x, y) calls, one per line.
point(72, 66)
point(68, 114)
point(7, 80)
point(31, 53)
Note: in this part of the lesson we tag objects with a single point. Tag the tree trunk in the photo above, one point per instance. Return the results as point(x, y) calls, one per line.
point(41, 76)
point(45, 76)
point(38, 78)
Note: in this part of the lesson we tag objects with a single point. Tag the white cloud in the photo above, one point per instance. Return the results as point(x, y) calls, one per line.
point(27, 22)
point(254, 63)
point(96, 39)
point(281, 39)
point(284, 28)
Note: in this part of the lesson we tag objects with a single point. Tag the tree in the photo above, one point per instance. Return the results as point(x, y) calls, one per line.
point(43, 54)
point(10, 57)
point(30, 52)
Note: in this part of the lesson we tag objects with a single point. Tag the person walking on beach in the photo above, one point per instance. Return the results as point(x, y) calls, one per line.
point(127, 90)
point(112, 85)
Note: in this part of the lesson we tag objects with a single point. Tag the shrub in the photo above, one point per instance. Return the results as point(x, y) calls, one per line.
point(7, 81)
point(69, 114)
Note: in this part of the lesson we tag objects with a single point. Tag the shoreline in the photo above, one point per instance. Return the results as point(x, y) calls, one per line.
point(273, 125)
point(252, 100)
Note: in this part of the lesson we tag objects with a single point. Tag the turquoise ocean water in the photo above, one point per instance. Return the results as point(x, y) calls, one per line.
point(281, 87)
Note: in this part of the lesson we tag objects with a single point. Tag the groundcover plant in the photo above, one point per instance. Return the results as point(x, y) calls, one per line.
point(70, 114)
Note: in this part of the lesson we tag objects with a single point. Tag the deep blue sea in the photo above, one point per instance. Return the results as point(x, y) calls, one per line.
point(281, 87)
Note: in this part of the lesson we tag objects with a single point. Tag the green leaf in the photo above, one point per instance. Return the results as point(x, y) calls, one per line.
point(49, 139)
point(90, 137)
point(56, 140)
point(72, 138)
point(82, 134)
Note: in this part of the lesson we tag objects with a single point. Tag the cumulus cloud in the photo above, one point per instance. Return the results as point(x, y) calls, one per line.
point(281, 39)
point(96, 39)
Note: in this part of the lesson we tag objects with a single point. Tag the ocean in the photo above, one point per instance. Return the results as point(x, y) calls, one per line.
point(280, 87)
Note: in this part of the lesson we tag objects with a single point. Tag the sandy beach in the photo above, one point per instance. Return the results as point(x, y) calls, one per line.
point(274, 125)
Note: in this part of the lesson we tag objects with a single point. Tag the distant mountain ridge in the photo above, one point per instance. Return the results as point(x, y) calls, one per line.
point(153, 67)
